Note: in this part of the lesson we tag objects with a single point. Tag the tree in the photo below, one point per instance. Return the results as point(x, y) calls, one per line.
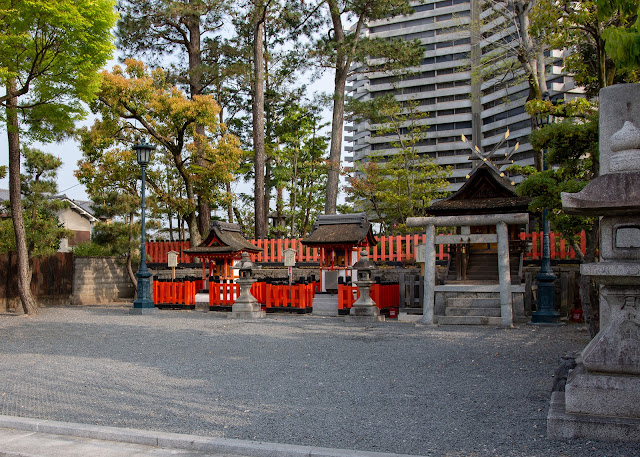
point(110, 176)
point(622, 38)
point(159, 29)
point(582, 27)
point(346, 50)
point(134, 94)
point(258, 17)
point(571, 150)
point(392, 188)
point(50, 52)
point(302, 170)
point(40, 209)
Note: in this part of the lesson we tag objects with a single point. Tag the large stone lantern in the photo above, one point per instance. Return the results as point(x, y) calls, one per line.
point(246, 306)
point(364, 305)
point(602, 394)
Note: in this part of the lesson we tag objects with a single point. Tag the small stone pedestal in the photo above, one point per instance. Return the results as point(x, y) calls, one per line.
point(602, 394)
point(246, 306)
point(202, 298)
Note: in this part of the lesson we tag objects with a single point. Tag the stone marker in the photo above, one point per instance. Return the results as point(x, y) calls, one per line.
point(602, 394)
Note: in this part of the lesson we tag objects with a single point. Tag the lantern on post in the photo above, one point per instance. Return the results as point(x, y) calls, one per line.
point(143, 303)
point(545, 313)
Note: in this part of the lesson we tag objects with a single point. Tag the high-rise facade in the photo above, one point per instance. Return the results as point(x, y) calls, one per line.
point(456, 100)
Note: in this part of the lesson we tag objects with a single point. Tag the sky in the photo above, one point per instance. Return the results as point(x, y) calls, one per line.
point(69, 151)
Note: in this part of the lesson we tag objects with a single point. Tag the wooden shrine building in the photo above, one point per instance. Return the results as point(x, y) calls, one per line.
point(222, 247)
point(340, 237)
point(484, 193)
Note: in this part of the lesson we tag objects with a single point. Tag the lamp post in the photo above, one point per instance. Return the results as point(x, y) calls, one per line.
point(545, 313)
point(143, 303)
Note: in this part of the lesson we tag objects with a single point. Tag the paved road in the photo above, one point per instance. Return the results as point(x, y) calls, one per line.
point(300, 380)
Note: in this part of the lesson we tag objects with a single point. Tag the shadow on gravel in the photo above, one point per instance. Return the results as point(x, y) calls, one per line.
point(292, 379)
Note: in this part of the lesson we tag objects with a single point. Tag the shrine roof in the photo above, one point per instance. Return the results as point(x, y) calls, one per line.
point(341, 229)
point(224, 238)
point(485, 192)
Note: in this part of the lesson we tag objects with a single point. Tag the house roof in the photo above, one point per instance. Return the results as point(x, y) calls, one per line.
point(82, 207)
point(485, 192)
point(224, 240)
point(79, 206)
point(341, 229)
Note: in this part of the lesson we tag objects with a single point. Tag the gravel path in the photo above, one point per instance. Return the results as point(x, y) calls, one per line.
point(394, 387)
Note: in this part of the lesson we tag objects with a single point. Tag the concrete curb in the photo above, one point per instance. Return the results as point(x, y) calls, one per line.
point(181, 441)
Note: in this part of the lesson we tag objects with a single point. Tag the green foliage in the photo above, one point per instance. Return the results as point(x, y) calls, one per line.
point(622, 37)
point(201, 161)
point(91, 249)
point(40, 209)
point(393, 187)
point(571, 150)
point(111, 239)
point(600, 33)
point(301, 164)
point(53, 49)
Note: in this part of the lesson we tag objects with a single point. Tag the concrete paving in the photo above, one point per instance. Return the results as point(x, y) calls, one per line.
point(25, 437)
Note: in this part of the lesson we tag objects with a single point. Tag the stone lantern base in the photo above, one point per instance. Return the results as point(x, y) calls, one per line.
point(364, 308)
point(246, 306)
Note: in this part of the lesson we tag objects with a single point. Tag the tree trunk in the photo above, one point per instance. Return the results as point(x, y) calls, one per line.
point(335, 151)
point(230, 206)
point(195, 87)
point(192, 225)
point(258, 129)
point(13, 136)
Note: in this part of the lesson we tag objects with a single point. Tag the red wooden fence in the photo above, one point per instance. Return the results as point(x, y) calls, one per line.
point(385, 296)
point(396, 248)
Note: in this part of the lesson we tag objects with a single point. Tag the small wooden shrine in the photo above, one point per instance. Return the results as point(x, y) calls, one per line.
point(339, 237)
point(485, 192)
point(222, 247)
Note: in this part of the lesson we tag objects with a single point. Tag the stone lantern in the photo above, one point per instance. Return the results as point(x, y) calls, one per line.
point(602, 394)
point(246, 306)
point(364, 306)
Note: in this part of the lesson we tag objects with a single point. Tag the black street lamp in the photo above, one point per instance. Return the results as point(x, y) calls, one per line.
point(143, 303)
point(545, 313)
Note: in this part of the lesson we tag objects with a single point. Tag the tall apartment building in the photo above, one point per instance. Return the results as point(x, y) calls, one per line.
point(456, 103)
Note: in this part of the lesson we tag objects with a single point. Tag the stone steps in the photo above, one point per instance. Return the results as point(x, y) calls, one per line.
point(469, 320)
point(473, 302)
point(472, 309)
point(487, 312)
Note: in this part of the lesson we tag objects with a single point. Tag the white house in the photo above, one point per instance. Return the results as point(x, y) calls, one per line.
point(78, 217)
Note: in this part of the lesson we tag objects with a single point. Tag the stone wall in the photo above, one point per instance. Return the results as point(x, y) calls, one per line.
point(98, 280)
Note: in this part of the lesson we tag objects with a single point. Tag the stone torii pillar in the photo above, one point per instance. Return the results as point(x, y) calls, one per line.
point(502, 238)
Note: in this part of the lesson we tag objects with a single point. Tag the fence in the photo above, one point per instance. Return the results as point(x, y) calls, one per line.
point(296, 297)
point(385, 296)
point(51, 276)
point(396, 248)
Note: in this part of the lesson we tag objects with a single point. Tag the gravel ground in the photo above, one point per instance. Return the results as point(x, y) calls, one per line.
point(394, 387)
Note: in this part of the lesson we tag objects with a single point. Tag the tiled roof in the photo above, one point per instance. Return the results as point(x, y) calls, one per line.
point(223, 238)
point(351, 229)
